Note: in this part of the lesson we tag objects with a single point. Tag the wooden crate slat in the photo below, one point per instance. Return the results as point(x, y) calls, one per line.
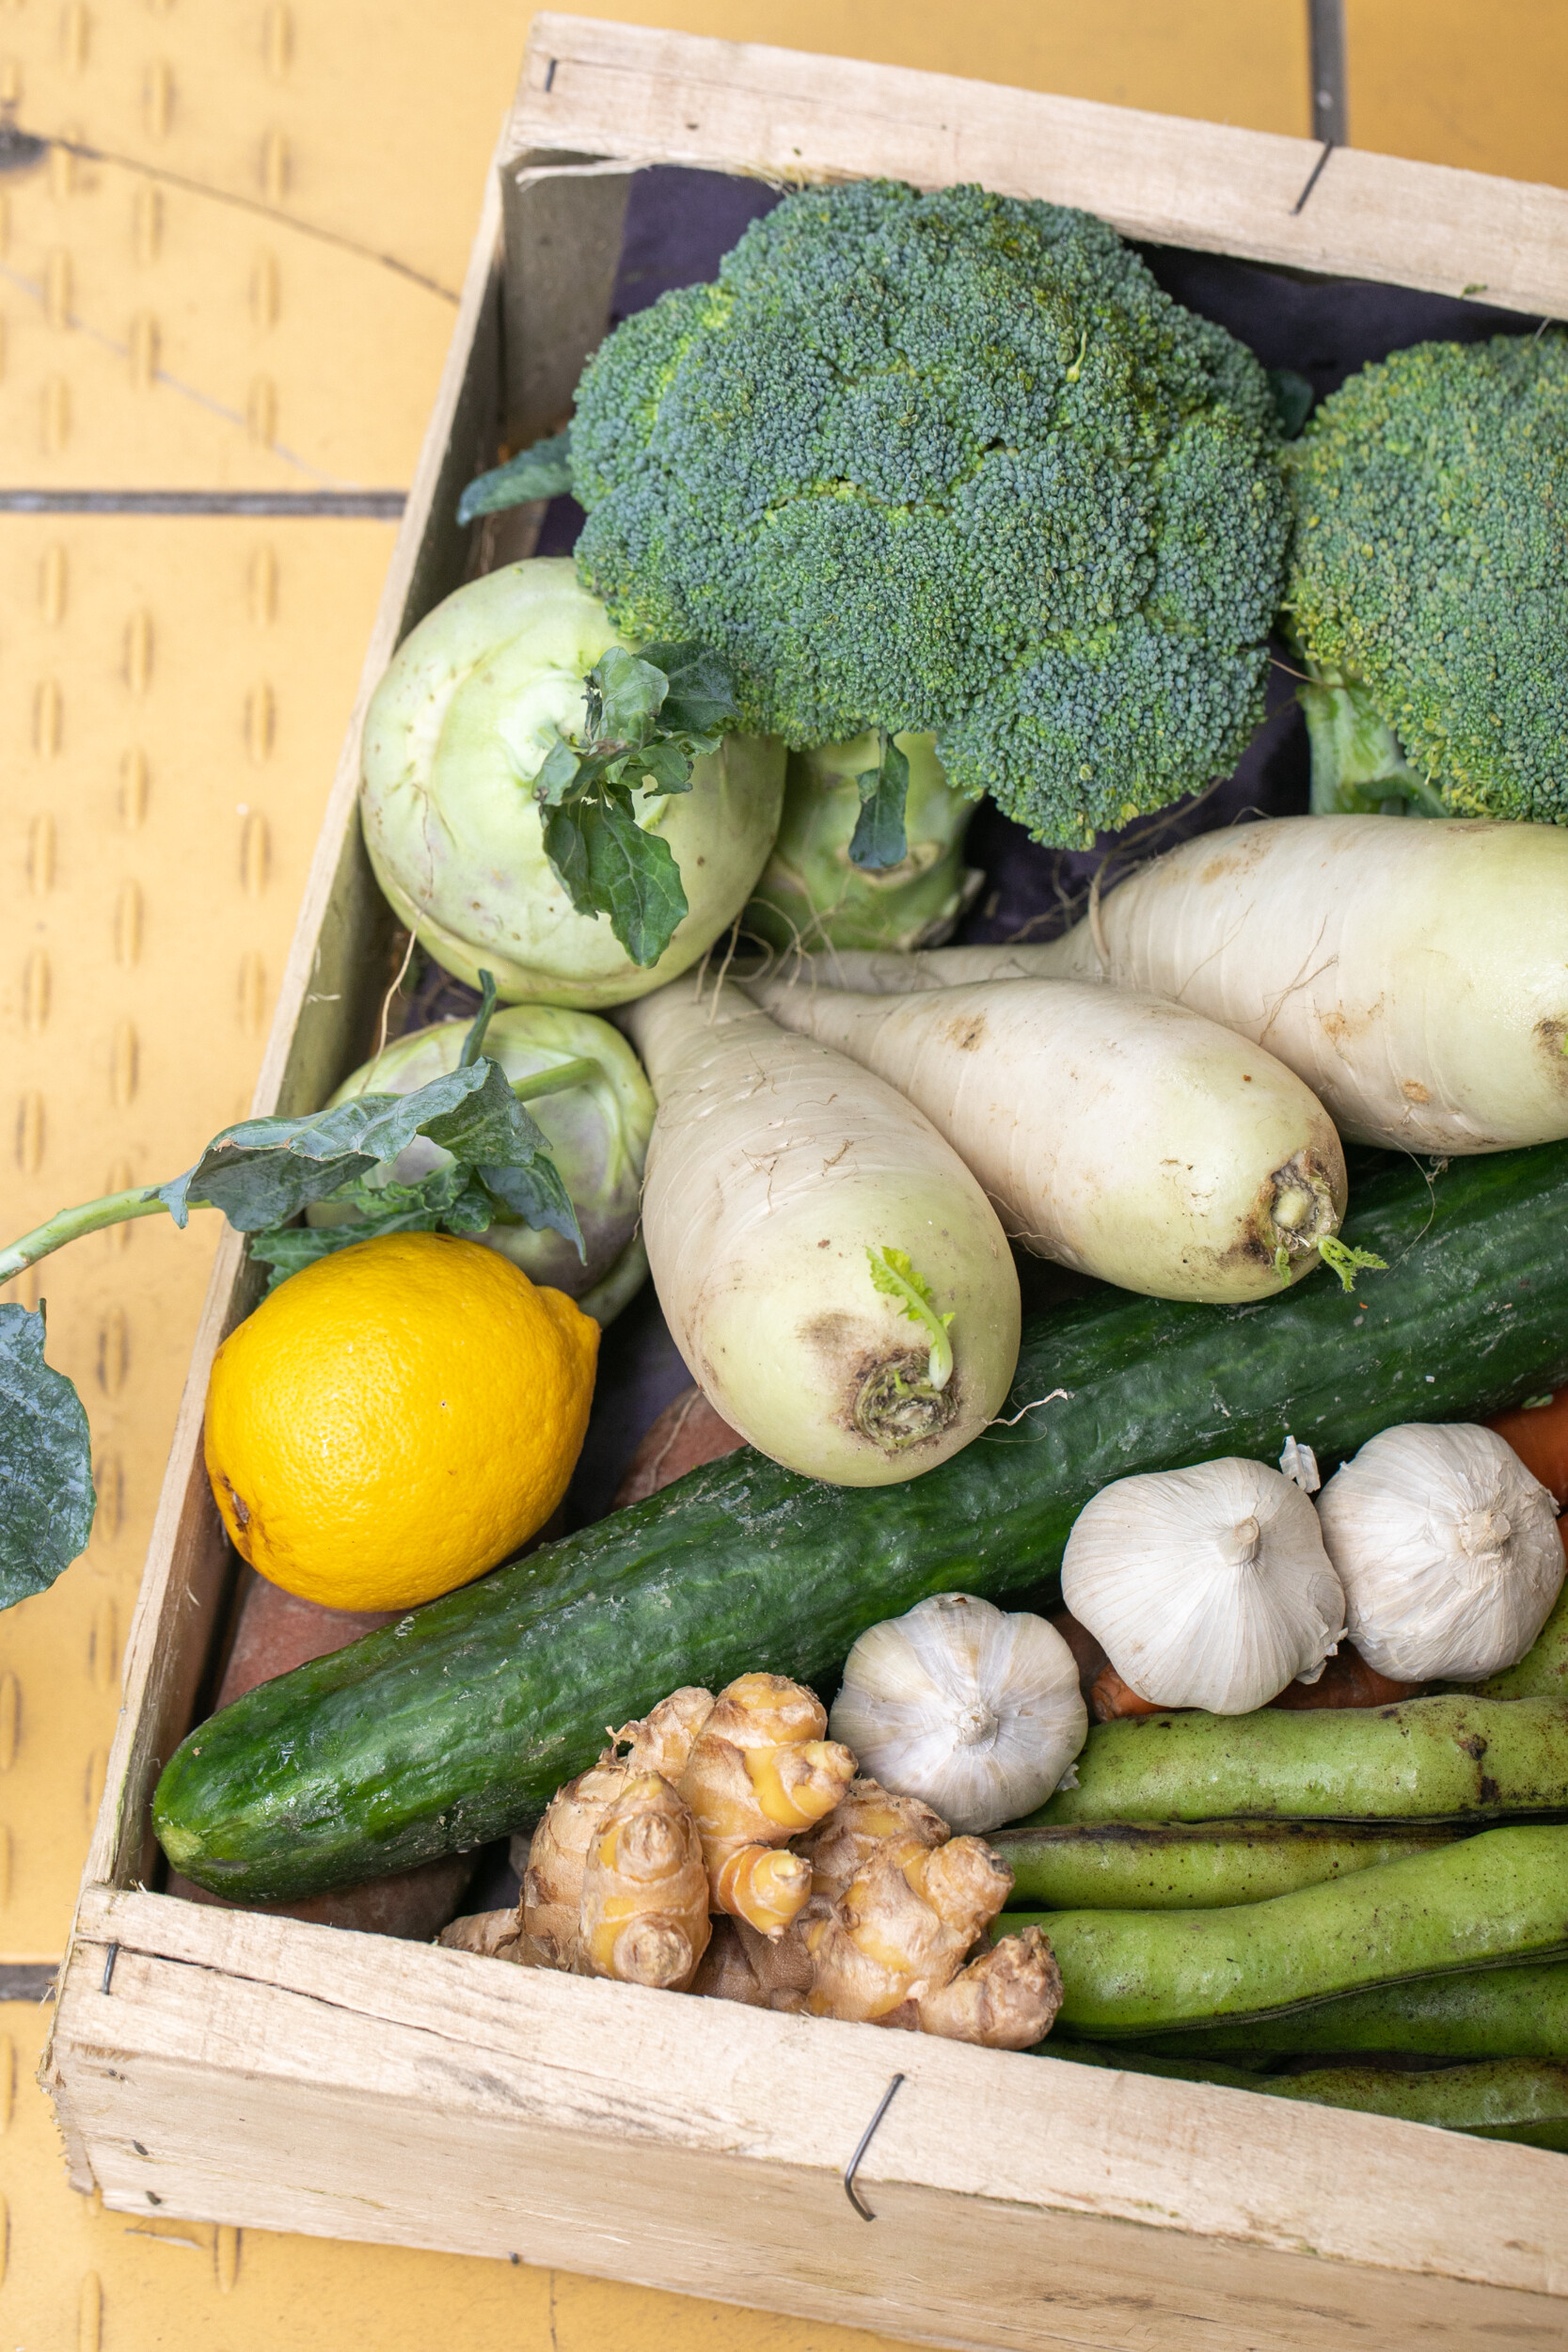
point(442, 2099)
point(780, 114)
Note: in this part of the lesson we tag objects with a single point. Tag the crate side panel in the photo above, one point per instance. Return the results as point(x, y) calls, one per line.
point(231, 2100)
point(563, 218)
point(786, 115)
point(658, 2073)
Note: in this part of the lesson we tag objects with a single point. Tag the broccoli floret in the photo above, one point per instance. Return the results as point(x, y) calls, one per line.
point(948, 463)
point(1429, 579)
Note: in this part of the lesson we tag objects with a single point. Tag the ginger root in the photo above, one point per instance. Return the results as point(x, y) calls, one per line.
point(495, 1935)
point(726, 1973)
point(660, 1741)
point(760, 1772)
point(552, 1882)
point(643, 1914)
point(841, 1846)
point(1005, 1999)
point(552, 1873)
point(890, 1950)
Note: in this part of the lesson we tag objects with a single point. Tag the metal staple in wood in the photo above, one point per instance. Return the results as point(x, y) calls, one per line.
point(866, 2137)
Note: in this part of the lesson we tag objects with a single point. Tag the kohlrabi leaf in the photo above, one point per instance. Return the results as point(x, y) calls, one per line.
point(623, 696)
point(449, 1201)
point(878, 840)
point(543, 472)
point(665, 768)
point(634, 880)
point(536, 1194)
point(263, 1171)
point(646, 717)
point(46, 1497)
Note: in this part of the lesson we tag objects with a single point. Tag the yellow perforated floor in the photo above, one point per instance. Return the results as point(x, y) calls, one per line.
point(249, 285)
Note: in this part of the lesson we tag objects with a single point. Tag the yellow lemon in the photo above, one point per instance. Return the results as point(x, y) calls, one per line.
point(396, 1419)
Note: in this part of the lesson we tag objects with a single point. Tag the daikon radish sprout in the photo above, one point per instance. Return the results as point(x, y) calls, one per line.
point(1414, 975)
point(834, 1278)
point(1118, 1135)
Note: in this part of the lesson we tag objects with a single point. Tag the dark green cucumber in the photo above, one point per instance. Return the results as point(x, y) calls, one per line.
point(457, 1723)
point(1172, 1866)
point(1517, 2012)
point(1501, 2099)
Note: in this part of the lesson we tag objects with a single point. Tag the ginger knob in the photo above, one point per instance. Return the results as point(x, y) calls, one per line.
point(763, 1886)
point(845, 1842)
point(552, 1881)
point(644, 1916)
point(759, 1774)
point(891, 1949)
point(660, 1741)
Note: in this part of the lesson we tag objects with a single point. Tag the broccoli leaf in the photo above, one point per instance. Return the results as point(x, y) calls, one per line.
point(893, 1274)
point(879, 840)
point(645, 723)
point(46, 1495)
point(1293, 397)
point(543, 472)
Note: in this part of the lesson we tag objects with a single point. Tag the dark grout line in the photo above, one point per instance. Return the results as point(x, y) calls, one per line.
point(376, 505)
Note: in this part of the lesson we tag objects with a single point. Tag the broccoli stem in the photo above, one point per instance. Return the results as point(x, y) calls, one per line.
point(1357, 766)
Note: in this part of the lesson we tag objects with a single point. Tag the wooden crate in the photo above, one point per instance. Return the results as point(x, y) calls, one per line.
point(245, 2069)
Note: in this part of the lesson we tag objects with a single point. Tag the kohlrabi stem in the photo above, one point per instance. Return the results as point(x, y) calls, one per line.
point(556, 1079)
point(116, 1208)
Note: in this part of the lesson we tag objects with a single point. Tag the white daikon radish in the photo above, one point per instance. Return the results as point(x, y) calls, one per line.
point(1116, 1134)
point(1413, 972)
point(833, 1275)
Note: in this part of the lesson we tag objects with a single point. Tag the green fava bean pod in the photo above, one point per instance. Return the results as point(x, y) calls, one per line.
point(1150, 1866)
point(1496, 2099)
point(1542, 1671)
point(1518, 2012)
point(1436, 1760)
point(1500, 1897)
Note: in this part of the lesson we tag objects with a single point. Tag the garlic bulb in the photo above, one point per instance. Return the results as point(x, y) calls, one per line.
point(1448, 1551)
point(975, 1711)
point(1206, 1587)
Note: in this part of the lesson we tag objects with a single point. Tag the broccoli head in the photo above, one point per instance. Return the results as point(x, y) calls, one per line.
point(1429, 579)
point(948, 463)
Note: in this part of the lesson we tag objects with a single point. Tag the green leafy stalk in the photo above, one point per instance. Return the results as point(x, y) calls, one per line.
point(893, 1274)
point(543, 472)
point(1347, 1263)
point(647, 719)
point(879, 840)
point(449, 1200)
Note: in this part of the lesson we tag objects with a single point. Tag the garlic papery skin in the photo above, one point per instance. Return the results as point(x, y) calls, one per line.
point(1206, 1587)
point(1448, 1551)
point(973, 1710)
